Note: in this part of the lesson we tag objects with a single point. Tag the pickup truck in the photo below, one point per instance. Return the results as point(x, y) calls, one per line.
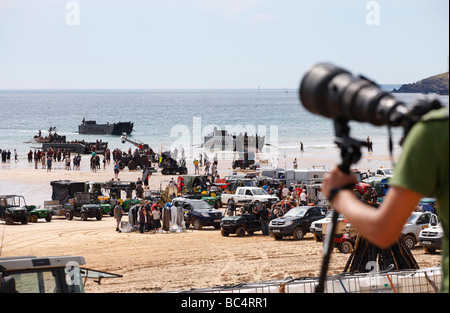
point(430, 238)
point(246, 194)
point(413, 226)
point(317, 226)
point(384, 172)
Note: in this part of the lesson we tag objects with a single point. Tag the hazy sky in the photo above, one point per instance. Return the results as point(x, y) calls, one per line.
point(153, 44)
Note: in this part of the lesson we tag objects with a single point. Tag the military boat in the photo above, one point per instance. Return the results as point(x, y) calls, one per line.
point(92, 128)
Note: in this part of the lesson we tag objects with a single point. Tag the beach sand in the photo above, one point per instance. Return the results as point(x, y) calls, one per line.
point(164, 261)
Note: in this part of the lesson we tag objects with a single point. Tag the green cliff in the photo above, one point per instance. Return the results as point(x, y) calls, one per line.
point(436, 84)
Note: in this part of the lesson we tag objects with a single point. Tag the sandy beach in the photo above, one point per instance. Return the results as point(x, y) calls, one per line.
point(166, 261)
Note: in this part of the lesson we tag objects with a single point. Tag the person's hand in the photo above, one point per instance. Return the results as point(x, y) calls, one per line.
point(336, 179)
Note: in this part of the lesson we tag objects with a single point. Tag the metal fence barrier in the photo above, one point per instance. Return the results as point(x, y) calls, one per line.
point(410, 281)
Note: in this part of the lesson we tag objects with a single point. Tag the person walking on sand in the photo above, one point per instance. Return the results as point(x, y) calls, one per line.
point(118, 213)
point(197, 170)
point(116, 169)
point(49, 163)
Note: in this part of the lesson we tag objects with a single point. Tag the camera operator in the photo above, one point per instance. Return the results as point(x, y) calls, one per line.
point(421, 171)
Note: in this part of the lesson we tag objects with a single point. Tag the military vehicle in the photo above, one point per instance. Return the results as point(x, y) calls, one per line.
point(13, 209)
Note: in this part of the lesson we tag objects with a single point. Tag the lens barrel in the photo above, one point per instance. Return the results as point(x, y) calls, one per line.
point(335, 93)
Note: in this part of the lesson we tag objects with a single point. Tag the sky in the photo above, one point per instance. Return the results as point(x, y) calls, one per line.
point(216, 44)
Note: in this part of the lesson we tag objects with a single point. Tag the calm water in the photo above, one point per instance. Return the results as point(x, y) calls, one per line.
point(158, 113)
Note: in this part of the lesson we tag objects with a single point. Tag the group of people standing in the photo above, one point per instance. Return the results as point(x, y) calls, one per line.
point(204, 160)
point(6, 155)
point(148, 216)
point(47, 158)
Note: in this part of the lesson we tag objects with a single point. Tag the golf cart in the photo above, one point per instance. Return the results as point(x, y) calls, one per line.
point(36, 213)
point(13, 209)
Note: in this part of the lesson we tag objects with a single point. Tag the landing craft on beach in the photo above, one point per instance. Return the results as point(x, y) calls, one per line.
point(91, 127)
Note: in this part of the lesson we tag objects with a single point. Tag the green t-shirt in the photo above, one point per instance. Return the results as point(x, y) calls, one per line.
point(424, 167)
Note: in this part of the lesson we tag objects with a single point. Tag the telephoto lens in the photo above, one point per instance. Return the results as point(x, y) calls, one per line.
point(335, 93)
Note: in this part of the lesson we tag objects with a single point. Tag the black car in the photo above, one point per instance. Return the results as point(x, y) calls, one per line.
point(296, 222)
point(240, 224)
point(198, 213)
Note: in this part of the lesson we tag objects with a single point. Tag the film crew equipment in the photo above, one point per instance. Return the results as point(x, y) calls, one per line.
point(335, 93)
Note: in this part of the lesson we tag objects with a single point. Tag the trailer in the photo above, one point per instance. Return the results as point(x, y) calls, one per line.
point(306, 176)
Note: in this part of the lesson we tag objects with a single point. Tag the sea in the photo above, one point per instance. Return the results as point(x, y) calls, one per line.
point(169, 119)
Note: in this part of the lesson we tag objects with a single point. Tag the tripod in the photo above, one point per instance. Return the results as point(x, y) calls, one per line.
point(350, 154)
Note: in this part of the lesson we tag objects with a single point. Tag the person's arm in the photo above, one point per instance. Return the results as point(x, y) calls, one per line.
point(382, 226)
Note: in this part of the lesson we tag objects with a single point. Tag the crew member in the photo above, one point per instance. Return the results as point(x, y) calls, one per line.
point(422, 171)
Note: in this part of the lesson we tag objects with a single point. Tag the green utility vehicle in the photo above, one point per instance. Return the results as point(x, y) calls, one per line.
point(36, 213)
point(13, 209)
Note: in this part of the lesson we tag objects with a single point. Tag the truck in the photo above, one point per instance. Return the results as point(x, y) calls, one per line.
point(317, 227)
point(416, 222)
point(430, 238)
point(384, 172)
point(305, 176)
point(296, 222)
point(275, 174)
point(53, 274)
point(198, 213)
point(255, 194)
